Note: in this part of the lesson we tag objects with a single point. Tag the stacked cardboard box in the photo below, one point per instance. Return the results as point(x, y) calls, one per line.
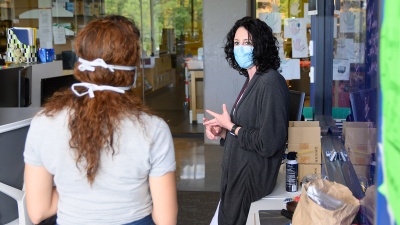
point(360, 141)
point(304, 137)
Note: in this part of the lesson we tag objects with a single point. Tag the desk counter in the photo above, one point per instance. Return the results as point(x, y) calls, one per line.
point(273, 201)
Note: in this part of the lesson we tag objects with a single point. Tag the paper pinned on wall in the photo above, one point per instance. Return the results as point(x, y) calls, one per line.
point(45, 31)
point(290, 69)
point(274, 20)
point(345, 48)
point(350, 22)
point(59, 35)
point(294, 27)
point(341, 69)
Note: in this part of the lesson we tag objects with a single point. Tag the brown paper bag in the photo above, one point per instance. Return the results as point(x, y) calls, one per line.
point(309, 212)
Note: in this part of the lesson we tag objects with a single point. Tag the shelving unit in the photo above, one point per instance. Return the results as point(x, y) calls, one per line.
point(162, 74)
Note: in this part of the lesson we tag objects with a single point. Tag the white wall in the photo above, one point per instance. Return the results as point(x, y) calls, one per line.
point(222, 84)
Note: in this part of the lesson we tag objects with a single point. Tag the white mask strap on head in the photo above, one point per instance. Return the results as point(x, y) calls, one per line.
point(90, 65)
point(91, 88)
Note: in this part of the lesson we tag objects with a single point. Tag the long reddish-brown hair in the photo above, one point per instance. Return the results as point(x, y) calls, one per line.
point(93, 121)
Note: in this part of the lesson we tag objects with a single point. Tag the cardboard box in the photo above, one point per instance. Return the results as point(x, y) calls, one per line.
point(304, 137)
point(359, 154)
point(298, 135)
point(303, 123)
point(363, 136)
point(361, 171)
point(347, 124)
point(307, 152)
point(305, 169)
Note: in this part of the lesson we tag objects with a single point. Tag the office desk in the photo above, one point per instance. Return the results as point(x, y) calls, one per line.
point(274, 201)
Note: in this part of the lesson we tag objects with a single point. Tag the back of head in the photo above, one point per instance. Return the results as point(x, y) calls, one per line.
point(116, 40)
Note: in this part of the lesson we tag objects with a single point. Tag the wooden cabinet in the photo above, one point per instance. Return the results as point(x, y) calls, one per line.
point(162, 74)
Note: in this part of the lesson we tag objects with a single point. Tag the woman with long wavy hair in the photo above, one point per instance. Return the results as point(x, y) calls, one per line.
point(95, 154)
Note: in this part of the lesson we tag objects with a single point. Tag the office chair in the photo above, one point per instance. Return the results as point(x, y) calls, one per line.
point(296, 104)
point(364, 105)
point(12, 195)
point(19, 196)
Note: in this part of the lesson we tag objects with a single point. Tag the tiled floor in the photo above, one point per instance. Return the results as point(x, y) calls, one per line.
point(198, 169)
point(198, 165)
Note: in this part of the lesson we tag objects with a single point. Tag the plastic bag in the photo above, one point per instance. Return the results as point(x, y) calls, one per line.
point(326, 203)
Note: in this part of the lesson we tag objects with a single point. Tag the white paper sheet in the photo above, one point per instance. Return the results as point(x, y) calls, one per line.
point(341, 69)
point(294, 27)
point(59, 35)
point(45, 25)
point(345, 48)
point(274, 20)
point(290, 69)
point(350, 22)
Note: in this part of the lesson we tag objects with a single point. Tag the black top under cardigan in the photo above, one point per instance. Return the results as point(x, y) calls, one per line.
point(251, 160)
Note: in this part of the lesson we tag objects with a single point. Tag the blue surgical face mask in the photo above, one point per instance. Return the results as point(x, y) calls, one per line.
point(244, 55)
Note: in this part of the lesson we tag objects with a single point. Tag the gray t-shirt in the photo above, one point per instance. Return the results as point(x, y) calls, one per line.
point(120, 193)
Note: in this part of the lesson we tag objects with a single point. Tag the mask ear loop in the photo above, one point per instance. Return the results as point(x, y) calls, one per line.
point(134, 78)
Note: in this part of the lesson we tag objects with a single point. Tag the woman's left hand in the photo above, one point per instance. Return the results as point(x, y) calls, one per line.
point(222, 120)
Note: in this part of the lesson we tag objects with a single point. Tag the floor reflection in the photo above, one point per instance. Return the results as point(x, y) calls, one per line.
point(198, 165)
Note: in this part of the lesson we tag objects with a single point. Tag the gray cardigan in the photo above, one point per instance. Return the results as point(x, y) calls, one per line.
point(251, 160)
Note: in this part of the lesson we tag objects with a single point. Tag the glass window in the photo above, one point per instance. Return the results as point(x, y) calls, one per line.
point(171, 30)
point(291, 24)
point(349, 58)
point(355, 86)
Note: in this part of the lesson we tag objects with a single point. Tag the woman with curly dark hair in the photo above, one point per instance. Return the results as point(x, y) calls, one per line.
point(110, 160)
point(254, 133)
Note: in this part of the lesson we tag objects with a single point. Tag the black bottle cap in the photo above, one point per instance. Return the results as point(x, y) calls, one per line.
point(291, 155)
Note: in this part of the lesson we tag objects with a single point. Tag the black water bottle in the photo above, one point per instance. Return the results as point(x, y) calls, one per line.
point(292, 172)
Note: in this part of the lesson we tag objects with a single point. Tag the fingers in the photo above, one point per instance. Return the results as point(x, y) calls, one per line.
point(224, 109)
point(212, 122)
point(209, 134)
point(211, 113)
point(216, 130)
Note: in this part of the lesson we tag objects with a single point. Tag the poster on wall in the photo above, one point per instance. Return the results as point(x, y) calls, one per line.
point(273, 19)
point(341, 69)
point(290, 69)
point(294, 27)
point(45, 31)
point(344, 48)
point(350, 22)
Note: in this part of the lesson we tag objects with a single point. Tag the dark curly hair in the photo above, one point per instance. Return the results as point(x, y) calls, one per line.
point(265, 53)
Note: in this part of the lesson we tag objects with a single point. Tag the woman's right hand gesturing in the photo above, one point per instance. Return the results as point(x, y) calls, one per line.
point(213, 132)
